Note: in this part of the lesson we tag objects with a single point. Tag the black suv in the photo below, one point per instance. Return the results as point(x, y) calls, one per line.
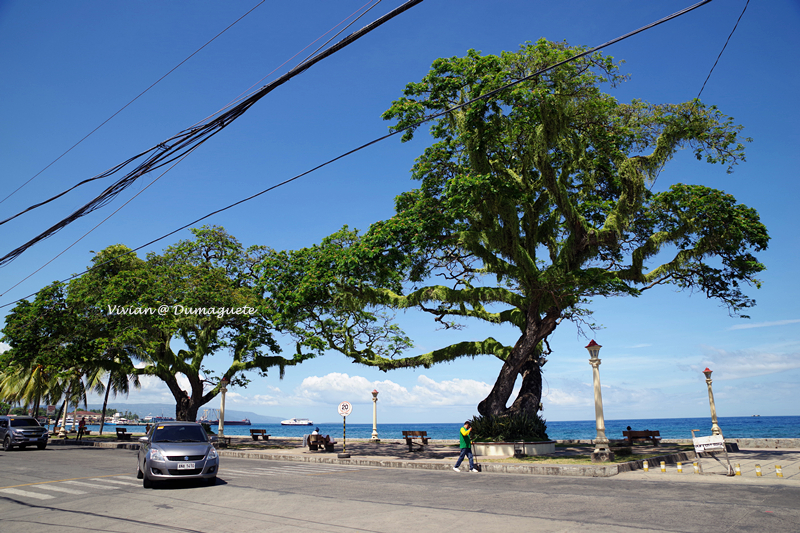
point(22, 431)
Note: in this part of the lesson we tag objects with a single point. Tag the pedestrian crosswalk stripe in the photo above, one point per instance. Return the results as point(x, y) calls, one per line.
point(28, 494)
point(95, 485)
point(109, 480)
point(51, 486)
point(241, 472)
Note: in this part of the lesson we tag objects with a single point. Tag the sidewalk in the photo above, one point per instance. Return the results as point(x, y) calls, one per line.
point(442, 454)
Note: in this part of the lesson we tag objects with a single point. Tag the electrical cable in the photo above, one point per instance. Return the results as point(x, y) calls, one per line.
point(177, 145)
point(391, 134)
point(125, 106)
point(723, 48)
point(697, 98)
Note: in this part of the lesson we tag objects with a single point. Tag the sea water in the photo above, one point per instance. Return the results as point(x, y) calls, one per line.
point(773, 427)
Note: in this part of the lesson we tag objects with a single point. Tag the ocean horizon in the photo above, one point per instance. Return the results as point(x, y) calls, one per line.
point(756, 427)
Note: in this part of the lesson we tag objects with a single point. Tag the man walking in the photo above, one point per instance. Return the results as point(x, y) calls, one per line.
point(465, 443)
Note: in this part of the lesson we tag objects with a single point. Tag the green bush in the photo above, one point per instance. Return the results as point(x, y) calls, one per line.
point(510, 428)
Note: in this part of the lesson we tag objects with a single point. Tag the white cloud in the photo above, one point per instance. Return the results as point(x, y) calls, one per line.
point(4, 347)
point(765, 324)
point(645, 345)
point(337, 387)
point(746, 363)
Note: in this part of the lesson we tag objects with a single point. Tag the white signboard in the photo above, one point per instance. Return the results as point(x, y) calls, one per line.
point(708, 444)
point(345, 408)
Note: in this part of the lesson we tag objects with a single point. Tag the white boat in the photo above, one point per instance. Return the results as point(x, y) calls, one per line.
point(297, 422)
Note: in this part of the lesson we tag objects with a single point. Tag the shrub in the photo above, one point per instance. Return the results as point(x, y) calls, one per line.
point(509, 428)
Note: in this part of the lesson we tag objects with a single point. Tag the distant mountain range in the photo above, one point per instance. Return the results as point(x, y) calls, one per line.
point(164, 409)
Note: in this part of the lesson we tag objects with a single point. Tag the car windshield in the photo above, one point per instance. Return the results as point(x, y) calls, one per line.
point(22, 422)
point(179, 434)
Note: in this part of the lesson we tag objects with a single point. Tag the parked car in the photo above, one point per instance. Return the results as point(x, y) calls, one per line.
point(22, 431)
point(177, 450)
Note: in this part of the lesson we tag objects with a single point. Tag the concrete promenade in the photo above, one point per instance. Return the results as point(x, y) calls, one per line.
point(441, 455)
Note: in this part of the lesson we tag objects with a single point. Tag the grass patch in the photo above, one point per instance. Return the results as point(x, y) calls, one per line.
point(261, 447)
point(579, 459)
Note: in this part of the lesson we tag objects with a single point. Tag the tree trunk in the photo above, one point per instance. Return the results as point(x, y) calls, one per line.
point(105, 403)
point(530, 394)
point(523, 361)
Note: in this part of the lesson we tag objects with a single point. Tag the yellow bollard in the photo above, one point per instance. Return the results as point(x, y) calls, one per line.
point(663, 466)
point(758, 470)
point(738, 470)
point(680, 468)
point(696, 467)
point(645, 466)
point(778, 471)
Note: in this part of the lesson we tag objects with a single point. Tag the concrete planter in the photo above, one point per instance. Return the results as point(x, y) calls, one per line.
point(507, 448)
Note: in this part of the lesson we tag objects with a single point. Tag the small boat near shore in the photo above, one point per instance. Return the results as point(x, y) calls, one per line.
point(297, 422)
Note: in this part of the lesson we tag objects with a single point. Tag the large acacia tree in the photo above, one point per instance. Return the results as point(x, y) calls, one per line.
point(190, 281)
point(533, 201)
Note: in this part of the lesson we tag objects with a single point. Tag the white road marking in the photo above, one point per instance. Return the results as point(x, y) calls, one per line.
point(51, 486)
point(110, 480)
point(94, 485)
point(241, 472)
point(28, 494)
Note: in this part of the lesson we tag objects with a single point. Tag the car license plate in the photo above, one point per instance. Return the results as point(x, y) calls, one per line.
point(185, 466)
point(32, 439)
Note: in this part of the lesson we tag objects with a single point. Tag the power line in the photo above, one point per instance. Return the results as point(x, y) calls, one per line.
point(173, 69)
point(178, 145)
point(723, 48)
point(392, 134)
point(230, 104)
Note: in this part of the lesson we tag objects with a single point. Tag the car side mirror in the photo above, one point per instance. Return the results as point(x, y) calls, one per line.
point(143, 439)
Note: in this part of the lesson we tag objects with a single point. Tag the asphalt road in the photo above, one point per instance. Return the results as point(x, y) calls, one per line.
point(95, 489)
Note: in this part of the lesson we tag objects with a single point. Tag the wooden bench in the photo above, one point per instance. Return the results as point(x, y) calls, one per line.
point(256, 432)
point(317, 441)
point(412, 436)
point(87, 431)
point(122, 434)
point(652, 436)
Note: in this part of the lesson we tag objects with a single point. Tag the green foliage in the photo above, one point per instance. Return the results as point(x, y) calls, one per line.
point(514, 427)
point(530, 203)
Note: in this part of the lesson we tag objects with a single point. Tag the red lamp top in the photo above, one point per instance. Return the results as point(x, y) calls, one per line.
point(374, 392)
point(592, 345)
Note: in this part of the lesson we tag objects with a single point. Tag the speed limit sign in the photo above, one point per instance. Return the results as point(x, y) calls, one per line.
point(345, 408)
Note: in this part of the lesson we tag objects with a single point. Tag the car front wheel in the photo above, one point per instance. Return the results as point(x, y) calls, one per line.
point(7, 444)
point(139, 474)
point(146, 483)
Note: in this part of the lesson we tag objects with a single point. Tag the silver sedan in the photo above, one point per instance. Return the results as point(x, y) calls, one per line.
point(177, 450)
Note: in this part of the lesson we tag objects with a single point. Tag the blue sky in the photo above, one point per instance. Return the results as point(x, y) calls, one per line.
point(67, 67)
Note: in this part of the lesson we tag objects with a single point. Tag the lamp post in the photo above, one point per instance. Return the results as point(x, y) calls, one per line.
point(601, 450)
point(714, 426)
point(224, 389)
point(374, 437)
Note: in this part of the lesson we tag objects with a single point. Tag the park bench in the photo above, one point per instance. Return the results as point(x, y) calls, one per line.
point(256, 432)
point(652, 436)
point(317, 441)
point(122, 434)
point(412, 436)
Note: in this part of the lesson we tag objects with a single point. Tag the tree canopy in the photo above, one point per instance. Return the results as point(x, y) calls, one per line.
point(532, 202)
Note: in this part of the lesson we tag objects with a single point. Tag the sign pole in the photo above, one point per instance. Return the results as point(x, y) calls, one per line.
point(345, 408)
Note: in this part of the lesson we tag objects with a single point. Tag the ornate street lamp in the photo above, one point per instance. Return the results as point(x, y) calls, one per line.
point(714, 426)
point(374, 437)
point(224, 389)
point(602, 452)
